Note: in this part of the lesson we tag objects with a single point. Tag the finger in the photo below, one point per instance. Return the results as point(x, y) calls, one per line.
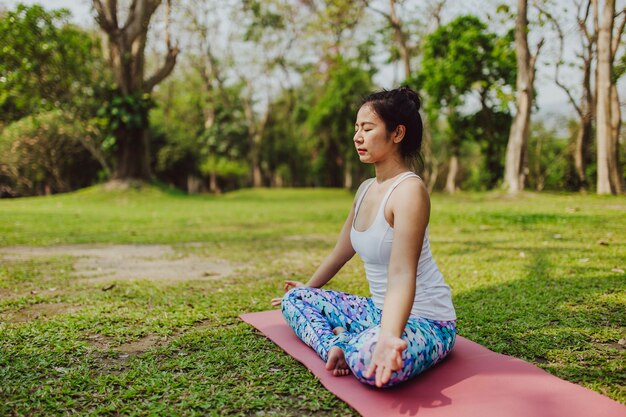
point(379, 375)
point(385, 376)
point(276, 301)
point(370, 370)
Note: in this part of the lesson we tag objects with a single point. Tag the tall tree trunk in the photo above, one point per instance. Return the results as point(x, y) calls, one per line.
point(603, 90)
point(539, 175)
point(427, 154)
point(126, 45)
point(583, 137)
point(255, 135)
point(585, 105)
point(586, 108)
point(257, 177)
point(615, 169)
point(515, 167)
point(581, 148)
point(348, 179)
point(453, 169)
point(132, 155)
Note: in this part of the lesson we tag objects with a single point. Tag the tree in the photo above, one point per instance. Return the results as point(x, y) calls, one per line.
point(585, 105)
point(608, 118)
point(128, 109)
point(46, 64)
point(515, 165)
point(331, 122)
point(46, 153)
point(462, 59)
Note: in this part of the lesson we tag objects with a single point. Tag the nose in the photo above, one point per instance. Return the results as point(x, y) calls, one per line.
point(358, 137)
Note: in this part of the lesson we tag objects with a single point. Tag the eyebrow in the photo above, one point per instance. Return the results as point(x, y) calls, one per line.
point(366, 123)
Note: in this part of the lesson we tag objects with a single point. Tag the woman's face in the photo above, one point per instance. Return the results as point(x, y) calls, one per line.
point(371, 139)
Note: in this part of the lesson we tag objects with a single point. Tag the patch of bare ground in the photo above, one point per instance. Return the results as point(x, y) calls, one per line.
point(39, 312)
point(5, 292)
point(103, 263)
point(121, 354)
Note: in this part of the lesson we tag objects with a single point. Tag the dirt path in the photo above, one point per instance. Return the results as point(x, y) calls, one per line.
point(103, 263)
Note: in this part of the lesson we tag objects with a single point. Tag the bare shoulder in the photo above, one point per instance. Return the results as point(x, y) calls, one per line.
point(411, 194)
point(414, 189)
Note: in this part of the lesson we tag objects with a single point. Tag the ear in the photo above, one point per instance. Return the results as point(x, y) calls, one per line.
point(398, 134)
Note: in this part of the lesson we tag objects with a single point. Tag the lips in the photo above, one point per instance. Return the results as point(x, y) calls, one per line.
point(361, 151)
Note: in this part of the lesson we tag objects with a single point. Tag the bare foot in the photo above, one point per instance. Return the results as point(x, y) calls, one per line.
point(338, 330)
point(337, 362)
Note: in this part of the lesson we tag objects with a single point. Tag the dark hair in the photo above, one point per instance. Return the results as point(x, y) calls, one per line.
point(400, 107)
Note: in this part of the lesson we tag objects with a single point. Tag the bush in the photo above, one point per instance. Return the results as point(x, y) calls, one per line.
point(48, 153)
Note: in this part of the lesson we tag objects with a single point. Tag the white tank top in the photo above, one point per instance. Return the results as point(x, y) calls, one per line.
point(432, 295)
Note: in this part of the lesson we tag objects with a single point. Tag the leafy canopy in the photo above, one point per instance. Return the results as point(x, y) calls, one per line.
point(45, 63)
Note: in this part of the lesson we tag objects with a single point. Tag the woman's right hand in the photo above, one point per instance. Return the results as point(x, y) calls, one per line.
point(288, 285)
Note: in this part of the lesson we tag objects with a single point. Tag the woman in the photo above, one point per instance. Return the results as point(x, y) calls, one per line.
point(409, 323)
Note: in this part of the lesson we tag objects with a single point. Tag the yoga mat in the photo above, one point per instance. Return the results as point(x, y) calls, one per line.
point(471, 382)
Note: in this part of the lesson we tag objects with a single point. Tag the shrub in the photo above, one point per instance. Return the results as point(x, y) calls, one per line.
point(48, 153)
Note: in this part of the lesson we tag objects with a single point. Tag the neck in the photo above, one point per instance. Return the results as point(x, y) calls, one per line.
point(389, 168)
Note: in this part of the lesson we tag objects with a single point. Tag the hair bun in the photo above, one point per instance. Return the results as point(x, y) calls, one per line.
point(411, 95)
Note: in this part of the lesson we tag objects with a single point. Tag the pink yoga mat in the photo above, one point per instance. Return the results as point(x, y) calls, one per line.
point(471, 382)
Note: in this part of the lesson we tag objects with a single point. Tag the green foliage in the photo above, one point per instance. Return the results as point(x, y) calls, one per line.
point(264, 15)
point(461, 57)
point(47, 153)
point(123, 112)
point(224, 167)
point(331, 120)
point(548, 159)
point(284, 148)
point(46, 64)
point(463, 61)
point(199, 133)
point(489, 129)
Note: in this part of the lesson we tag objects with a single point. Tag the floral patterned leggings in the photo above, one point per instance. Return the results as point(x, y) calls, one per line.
point(313, 313)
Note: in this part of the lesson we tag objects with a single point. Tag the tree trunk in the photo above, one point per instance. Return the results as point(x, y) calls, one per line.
point(615, 169)
point(539, 175)
point(194, 184)
point(132, 155)
point(453, 169)
point(514, 172)
point(126, 45)
point(583, 138)
point(213, 185)
point(603, 91)
point(348, 179)
point(257, 177)
point(255, 135)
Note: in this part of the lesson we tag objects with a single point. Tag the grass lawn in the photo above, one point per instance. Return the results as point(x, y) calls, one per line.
point(538, 276)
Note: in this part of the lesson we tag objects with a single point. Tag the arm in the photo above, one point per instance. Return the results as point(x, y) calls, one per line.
point(410, 205)
point(341, 253)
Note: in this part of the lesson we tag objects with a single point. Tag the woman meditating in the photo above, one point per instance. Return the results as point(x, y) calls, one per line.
point(409, 323)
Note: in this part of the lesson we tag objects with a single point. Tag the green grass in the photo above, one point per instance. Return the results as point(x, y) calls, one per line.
point(534, 276)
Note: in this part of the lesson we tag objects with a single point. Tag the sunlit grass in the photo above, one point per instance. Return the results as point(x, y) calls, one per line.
point(535, 276)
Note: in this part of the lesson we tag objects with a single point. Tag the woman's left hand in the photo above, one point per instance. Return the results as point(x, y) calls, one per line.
point(387, 357)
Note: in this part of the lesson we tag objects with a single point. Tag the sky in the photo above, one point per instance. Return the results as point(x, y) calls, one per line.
point(551, 100)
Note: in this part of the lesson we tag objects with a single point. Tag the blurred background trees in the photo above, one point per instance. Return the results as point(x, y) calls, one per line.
point(210, 96)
